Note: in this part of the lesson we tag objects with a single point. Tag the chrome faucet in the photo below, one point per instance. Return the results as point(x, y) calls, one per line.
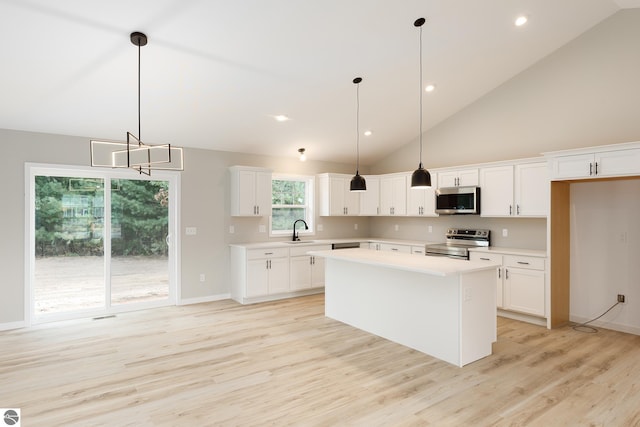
point(295, 235)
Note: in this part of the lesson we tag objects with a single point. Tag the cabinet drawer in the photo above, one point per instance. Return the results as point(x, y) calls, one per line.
point(483, 256)
point(302, 250)
point(395, 248)
point(267, 253)
point(531, 263)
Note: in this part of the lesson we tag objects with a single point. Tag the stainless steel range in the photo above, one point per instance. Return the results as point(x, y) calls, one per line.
point(458, 242)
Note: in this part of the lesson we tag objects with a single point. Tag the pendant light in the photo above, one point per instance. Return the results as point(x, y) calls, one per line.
point(134, 153)
point(421, 178)
point(358, 182)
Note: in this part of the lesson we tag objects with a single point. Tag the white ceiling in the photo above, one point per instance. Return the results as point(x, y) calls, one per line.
point(215, 72)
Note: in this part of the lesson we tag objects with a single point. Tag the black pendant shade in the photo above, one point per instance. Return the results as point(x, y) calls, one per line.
point(358, 182)
point(420, 178)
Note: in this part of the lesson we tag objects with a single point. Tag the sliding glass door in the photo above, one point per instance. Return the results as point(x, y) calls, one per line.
point(99, 242)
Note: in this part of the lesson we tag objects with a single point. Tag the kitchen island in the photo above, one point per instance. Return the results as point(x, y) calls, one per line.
point(440, 306)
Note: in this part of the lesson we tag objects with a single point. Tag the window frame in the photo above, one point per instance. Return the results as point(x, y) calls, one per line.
point(310, 181)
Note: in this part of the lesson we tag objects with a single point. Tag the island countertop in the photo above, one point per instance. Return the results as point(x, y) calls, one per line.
point(434, 266)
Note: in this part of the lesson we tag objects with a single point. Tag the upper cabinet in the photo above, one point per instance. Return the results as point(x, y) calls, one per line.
point(250, 191)
point(393, 194)
point(422, 202)
point(336, 199)
point(458, 178)
point(596, 162)
point(520, 190)
point(370, 199)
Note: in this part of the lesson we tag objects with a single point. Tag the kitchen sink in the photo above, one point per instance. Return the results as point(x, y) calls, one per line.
point(297, 242)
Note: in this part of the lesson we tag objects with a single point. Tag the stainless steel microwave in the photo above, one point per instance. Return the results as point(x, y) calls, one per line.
point(458, 200)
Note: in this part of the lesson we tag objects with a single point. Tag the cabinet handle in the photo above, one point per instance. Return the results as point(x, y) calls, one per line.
point(485, 259)
point(258, 209)
point(596, 168)
point(506, 273)
point(523, 263)
point(499, 273)
point(517, 209)
point(394, 249)
point(510, 210)
point(378, 210)
point(268, 253)
point(590, 169)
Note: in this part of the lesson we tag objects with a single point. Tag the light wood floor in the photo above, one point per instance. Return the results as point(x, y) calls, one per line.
point(284, 363)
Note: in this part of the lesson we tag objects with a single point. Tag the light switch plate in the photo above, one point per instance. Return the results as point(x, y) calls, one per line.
point(262, 228)
point(191, 231)
point(320, 227)
point(232, 229)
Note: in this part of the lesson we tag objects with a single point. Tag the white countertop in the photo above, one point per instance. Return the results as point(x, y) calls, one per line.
point(311, 241)
point(434, 266)
point(511, 251)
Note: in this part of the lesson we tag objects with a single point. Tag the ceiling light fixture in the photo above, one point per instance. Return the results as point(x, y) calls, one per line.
point(368, 133)
point(134, 153)
point(281, 118)
point(303, 155)
point(430, 88)
point(521, 20)
point(421, 178)
point(358, 182)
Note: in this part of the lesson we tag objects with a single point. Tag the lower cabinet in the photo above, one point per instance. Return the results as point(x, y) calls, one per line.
point(306, 271)
point(520, 282)
point(524, 284)
point(273, 273)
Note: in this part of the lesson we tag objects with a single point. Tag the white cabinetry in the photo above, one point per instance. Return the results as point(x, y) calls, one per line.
point(267, 272)
point(336, 199)
point(520, 281)
point(421, 202)
point(250, 191)
point(458, 178)
point(524, 284)
point(393, 194)
point(393, 247)
point(306, 271)
point(597, 162)
point(521, 190)
point(370, 199)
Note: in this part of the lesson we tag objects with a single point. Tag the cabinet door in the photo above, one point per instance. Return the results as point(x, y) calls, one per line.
point(263, 191)
point(278, 275)
point(317, 272)
point(386, 196)
point(336, 196)
point(574, 166)
point(532, 189)
point(497, 259)
point(370, 199)
point(257, 278)
point(468, 178)
point(351, 199)
point(395, 248)
point(300, 272)
point(399, 195)
point(496, 196)
point(447, 179)
point(524, 290)
point(246, 193)
point(617, 163)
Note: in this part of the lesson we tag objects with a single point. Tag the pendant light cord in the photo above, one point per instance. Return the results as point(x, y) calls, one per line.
point(357, 128)
point(139, 133)
point(420, 92)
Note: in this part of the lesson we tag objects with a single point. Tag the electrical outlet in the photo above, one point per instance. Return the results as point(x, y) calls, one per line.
point(621, 298)
point(430, 229)
point(320, 227)
point(355, 226)
point(505, 232)
point(232, 229)
point(262, 228)
point(202, 277)
point(396, 227)
point(191, 231)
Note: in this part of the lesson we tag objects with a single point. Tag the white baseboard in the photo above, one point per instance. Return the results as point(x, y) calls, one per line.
point(210, 298)
point(620, 327)
point(523, 317)
point(12, 325)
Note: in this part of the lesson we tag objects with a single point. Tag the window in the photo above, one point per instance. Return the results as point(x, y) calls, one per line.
point(291, 199)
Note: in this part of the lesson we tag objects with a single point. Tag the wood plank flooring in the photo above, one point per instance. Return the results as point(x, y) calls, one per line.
point(284, 363)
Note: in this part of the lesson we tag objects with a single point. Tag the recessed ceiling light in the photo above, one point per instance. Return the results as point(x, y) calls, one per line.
point(430, 88)
point(281, 118)
point(521, 20)
point(368, 133)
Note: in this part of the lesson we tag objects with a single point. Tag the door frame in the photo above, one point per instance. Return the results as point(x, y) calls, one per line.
point(35, 169)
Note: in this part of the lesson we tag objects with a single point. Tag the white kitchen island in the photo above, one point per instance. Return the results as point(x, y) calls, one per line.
point(443, 307)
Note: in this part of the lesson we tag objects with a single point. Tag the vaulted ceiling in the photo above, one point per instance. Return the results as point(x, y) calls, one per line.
point(215, 73)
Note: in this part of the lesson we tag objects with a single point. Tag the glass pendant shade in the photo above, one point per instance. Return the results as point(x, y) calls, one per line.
point(358, 183)
point(420, 178)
